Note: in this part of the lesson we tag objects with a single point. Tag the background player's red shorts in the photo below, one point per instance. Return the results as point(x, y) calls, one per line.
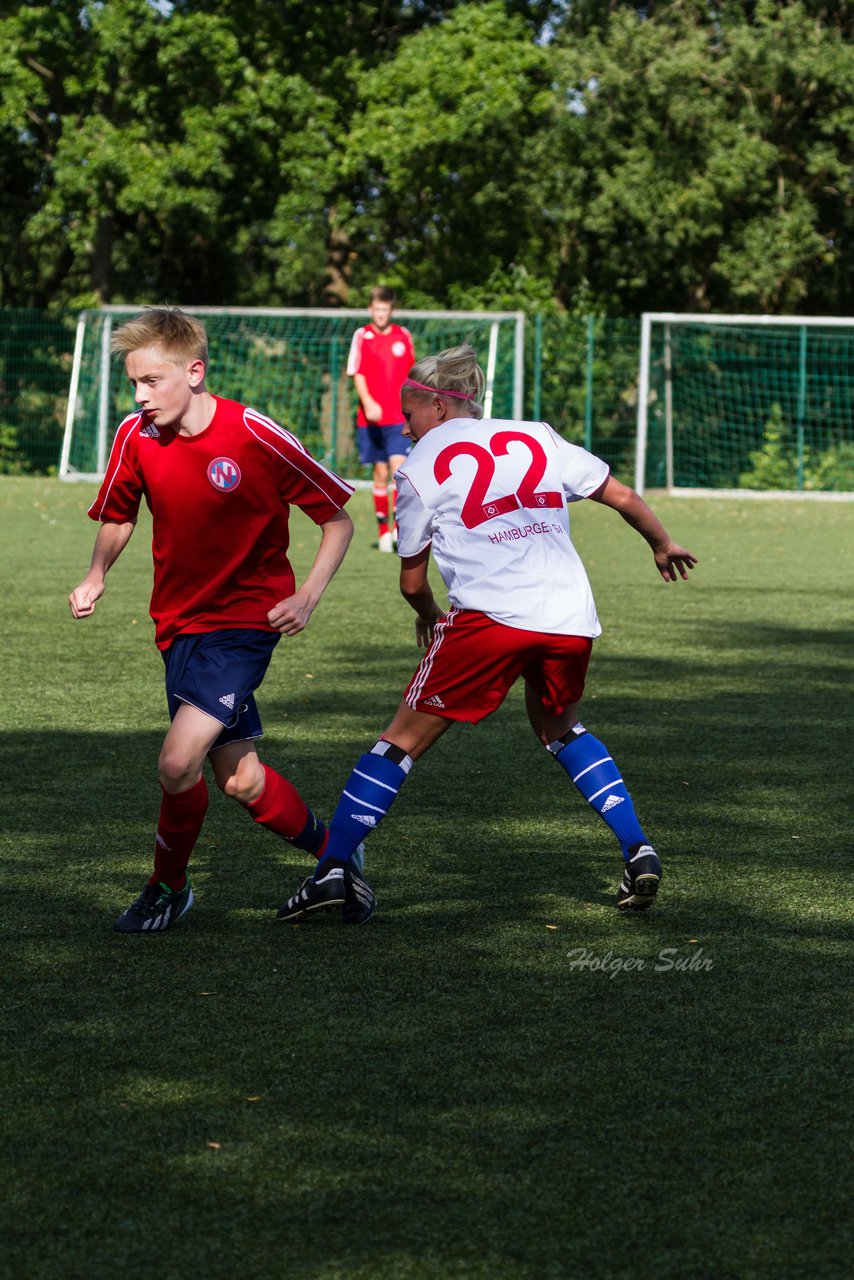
point(474, 661)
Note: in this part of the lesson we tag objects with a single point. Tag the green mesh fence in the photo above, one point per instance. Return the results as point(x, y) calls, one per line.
point(581, 376)
point(730, 406)
point(741, 406)
point(35, 366)
point(290, 367)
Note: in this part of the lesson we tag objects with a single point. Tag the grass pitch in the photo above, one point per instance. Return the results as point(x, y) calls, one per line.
point(501, 1077)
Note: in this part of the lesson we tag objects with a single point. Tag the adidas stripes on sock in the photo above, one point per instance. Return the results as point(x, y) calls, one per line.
point(594, 773)
point(368, 795)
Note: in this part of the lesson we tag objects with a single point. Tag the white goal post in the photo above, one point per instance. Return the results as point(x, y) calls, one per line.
point(290, 362)
point(746, 406)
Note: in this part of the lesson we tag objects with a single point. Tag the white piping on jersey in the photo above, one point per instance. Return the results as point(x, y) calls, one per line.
point(426, 664)
point(255, 414)
point(342, 485)
point(132, 421)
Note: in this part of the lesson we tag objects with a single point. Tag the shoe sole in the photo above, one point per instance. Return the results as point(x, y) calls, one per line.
point(646, 887)
point(329, 905)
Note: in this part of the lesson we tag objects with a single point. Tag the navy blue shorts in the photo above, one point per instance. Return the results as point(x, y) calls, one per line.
point(218, 672)
point(378, 444)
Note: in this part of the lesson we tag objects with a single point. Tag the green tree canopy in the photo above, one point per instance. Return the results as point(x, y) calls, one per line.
point(592, 155)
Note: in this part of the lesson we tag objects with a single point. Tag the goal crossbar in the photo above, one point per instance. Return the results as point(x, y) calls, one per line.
point(96, 401)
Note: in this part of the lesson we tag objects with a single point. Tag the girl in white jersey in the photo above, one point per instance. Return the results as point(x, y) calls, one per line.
point(489, 497)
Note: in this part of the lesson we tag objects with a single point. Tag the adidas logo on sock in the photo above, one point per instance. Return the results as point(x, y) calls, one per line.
point(227, 700)
point(611, 803)
point(365, 818)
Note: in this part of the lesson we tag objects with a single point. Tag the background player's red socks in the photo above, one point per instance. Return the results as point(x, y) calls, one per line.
point(181, 818)
point(381, 508)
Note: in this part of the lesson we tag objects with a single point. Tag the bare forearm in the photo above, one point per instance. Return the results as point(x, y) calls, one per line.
point(335, 538)
point(109, 544)
point(641, 517)
point(670, 558)
point(422, 600)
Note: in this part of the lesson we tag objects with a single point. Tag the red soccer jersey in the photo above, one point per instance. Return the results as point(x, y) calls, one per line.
point(220, 503)
point(384, 359)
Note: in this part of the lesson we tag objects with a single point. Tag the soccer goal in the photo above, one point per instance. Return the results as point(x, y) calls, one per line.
point(291, 363)
point(746, 405)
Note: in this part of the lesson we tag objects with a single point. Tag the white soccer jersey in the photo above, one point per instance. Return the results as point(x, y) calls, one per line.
point(492, 498)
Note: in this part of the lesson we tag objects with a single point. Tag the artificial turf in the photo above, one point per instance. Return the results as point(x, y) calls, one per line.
point(448, 1092)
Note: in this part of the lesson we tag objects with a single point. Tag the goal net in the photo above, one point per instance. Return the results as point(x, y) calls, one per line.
point(746, 405)
point(291, 364)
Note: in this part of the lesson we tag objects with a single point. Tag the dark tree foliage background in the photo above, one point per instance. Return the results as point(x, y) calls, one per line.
point(580, 157)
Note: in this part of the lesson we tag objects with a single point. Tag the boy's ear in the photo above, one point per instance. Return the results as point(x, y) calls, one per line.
point(196, 372)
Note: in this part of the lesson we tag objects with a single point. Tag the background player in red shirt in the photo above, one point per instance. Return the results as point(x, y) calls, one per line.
point(490, 499)
point(381, 355)
point(219, 479)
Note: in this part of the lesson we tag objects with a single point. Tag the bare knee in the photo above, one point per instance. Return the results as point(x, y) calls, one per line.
point(244, 782)
point(178, 769)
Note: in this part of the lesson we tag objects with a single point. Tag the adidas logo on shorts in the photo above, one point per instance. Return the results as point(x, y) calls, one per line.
point(435, 701)
point(227, 700)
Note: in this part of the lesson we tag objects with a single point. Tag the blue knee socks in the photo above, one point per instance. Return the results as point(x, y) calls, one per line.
point(588, 763)
point(368, 795)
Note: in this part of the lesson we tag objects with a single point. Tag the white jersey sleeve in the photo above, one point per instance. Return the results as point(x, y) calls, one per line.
point(414, 520)
point(582, 473)
point(354, 359)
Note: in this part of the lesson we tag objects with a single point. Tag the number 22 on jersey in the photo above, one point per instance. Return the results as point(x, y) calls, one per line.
point(476, 510)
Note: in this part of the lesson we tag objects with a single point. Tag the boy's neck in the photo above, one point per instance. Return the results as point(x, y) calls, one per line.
point(199, 415)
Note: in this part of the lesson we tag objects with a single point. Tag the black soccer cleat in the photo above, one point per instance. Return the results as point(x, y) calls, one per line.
point(155, 910)
point(359, 901)
point(315, 895)
point(641, 879)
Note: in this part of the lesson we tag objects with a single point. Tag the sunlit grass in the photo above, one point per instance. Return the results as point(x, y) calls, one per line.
point(449, 1092)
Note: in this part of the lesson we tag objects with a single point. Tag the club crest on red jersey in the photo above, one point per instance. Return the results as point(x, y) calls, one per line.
point(224, 474)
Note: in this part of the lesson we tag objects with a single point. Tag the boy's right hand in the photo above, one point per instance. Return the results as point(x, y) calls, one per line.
point(81, 602)
point(373, 411)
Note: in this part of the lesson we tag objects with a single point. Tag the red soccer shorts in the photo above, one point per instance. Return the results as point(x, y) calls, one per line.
point(474, 661)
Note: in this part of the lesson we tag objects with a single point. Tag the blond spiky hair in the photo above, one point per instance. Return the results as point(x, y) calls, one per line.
point(178, 337)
